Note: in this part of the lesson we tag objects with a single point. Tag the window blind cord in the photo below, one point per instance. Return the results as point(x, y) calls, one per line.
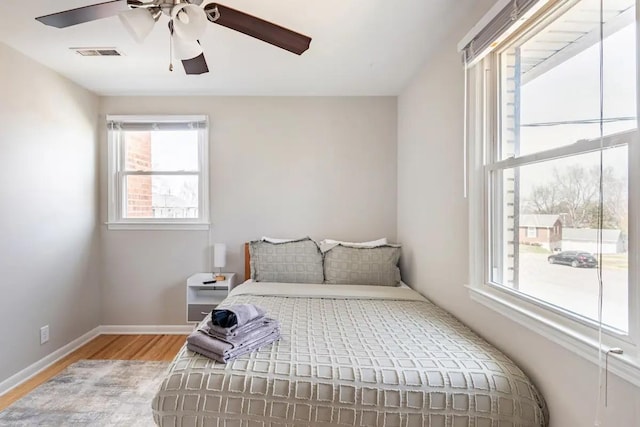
point(465, 130)
point(209, 250)
point(598, 414)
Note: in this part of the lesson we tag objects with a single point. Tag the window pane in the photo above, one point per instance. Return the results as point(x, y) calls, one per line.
point(546, 227)
point(550, 82)
point(153, 196)
point(161, 150)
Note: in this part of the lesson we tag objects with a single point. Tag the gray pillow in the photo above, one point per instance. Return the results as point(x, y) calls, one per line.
point(362, 266)
point(298, 261)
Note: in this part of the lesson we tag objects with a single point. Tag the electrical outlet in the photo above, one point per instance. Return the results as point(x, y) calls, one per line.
point(44, 334)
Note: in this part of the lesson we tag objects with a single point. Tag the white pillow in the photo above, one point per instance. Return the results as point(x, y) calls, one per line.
point(327, 244)
point(276, 240)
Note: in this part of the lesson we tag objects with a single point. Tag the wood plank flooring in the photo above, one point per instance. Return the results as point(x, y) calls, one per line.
point(113, 347)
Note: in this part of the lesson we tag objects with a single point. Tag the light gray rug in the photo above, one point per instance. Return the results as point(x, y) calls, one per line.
point(91, 393)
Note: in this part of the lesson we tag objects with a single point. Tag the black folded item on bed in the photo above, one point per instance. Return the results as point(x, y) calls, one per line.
point(234, 331)
point(236, 316)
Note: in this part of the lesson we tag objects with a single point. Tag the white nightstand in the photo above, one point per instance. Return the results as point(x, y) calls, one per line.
point(201, 298)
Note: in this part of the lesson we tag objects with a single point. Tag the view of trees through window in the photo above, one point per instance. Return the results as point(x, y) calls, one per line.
point(573, 193)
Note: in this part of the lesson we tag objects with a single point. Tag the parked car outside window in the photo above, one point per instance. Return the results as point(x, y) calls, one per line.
point(574, 259)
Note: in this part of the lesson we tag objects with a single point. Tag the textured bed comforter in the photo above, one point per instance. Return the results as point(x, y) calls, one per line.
point(351, 356)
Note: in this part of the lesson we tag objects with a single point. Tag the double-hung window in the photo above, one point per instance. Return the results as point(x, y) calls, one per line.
point(553, 137)
point(157, 170)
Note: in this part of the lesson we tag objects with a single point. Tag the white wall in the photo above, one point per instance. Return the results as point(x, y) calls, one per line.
point(433, 228)
point(283, 167)
point(48, 211)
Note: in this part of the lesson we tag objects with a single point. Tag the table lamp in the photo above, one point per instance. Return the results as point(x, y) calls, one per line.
point(219, 259)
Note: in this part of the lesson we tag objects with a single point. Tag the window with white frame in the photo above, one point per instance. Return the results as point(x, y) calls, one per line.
point(158, 171)
point(541, 146)
point(532, 232)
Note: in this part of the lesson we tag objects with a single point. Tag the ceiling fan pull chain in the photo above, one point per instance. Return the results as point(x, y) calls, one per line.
point(170, 46)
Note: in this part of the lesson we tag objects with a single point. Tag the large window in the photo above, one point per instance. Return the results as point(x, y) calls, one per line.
point(158, 171)
point(554, 126)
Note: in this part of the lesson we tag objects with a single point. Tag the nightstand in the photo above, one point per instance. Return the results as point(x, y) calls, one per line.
point(201, 298)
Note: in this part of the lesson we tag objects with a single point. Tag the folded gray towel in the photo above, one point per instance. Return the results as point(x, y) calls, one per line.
point(228, 319)
point(224, 332)
point(202, 339)
point(246, 334)
point(203, 346)
point(239, 332)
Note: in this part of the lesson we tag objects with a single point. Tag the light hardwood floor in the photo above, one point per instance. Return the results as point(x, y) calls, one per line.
point(120, 347)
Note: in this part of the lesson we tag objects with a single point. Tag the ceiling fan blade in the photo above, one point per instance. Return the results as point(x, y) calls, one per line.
point(197, 65)
point(84, 14)
point(258, 28)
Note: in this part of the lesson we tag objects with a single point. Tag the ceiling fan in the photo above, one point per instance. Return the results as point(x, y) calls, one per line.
point(187, 24)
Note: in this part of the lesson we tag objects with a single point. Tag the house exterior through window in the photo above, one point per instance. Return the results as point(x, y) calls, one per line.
point(158, 171)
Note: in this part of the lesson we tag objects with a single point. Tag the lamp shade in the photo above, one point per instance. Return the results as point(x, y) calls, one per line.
point(139, 22)
point(219, 255)
point(185, 49)
point(189, 21)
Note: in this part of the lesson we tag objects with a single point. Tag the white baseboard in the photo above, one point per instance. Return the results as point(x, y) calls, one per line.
point(47, 361)
point(146, 329)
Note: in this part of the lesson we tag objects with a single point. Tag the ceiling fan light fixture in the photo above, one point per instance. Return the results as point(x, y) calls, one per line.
point(186, 49)
point(187, 24)
point(189, 21)
point(139, 22)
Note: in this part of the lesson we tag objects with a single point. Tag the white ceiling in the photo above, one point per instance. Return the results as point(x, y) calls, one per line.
point(359, 47)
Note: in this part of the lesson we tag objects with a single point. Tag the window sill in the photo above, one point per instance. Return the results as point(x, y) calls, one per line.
point(157, 226)
point(626, 366)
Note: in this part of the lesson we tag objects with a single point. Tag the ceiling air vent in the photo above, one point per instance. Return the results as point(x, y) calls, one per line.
point(96, 51)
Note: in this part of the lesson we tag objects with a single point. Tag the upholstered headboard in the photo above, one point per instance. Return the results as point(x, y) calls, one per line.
point(247, 262)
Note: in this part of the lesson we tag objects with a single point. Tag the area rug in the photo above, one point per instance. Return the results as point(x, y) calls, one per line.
point(91, 393)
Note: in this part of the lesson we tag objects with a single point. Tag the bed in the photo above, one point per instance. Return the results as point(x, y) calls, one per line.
point(351, 355)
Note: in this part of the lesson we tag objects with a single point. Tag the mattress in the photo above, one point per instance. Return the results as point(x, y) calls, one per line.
point(351, 356)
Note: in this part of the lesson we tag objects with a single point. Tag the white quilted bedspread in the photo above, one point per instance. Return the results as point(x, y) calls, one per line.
point(351, 356)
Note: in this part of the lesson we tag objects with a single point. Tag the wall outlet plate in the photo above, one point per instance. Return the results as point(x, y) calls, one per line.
point(44, 334)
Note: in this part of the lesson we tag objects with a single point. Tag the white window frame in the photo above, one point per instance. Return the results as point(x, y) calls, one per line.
point(569, 330)
point(117, 175)
point(532, 232)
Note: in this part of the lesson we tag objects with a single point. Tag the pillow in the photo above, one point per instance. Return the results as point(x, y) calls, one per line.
point(351, 265)
point(327, 244)
point(297, 261)
point(277, 240)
